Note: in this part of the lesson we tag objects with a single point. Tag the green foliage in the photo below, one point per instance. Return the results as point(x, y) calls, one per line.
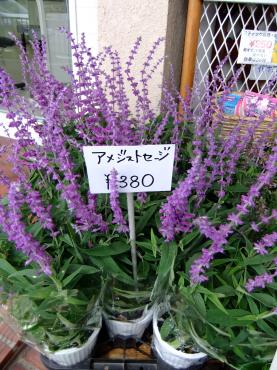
point(61, 310)
point(224, 320)
point(220, 317)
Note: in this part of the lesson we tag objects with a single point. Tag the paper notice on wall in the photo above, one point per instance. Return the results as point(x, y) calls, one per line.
point(141, 168)
point(258, 47)
point(263, 73)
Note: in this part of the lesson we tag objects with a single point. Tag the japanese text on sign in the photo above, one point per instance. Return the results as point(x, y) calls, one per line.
point(141, 168)
point(258, 47)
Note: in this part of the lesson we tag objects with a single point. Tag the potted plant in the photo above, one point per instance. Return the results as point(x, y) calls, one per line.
point(222, 214)
point(62, 245)
point(57, 311)
point(174, 348)
point(52, 223)
point(232, 316)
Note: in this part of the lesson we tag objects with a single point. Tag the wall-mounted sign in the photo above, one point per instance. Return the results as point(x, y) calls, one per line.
point(262, 72)
point(258, 47)
point(141, 168)
point(252, 2)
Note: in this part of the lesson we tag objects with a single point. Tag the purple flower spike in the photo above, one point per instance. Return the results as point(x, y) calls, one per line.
point(12, 225)
point(267, 241)
point(218, 236)
point(175, 216)
point(259, 282)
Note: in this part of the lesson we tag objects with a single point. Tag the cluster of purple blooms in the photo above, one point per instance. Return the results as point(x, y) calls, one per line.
point(97, 102)
point(218, 235)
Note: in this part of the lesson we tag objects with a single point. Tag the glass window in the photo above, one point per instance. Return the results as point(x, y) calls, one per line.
point(21, 17)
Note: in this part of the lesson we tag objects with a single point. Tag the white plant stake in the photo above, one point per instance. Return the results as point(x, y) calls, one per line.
point(132, 230)
point(140, 168)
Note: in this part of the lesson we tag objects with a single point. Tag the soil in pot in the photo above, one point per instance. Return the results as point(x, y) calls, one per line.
point(124, 353)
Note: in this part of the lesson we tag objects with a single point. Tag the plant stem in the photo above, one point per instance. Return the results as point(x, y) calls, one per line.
point(132, 229)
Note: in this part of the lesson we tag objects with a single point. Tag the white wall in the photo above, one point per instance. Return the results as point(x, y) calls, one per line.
point(120, 22)
point(83, 17)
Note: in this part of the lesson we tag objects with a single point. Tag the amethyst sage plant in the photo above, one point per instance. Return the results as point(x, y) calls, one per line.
point(59, 237)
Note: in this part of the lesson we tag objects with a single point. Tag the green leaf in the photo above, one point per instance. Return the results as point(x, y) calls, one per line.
point(256, 365)
point(108, 265)
point(189, 238)
point(252, 305)
point(7, 267)
point(41, 293)
point(257, 260)
point(213, 297)
point(205, 345)
point(266, 299)
point(31, 273)
point(165, 272)
point(105, 251)
point(227, 290)
point(266, 328)
point(167, 328)
point(234, 317)
point(83, 269)
point(76, 301)
point(58, 340)
point(153, 243)
point(243, 334)
point(200, 304)
point(64, 268)
point(144, 219)
point(131, 294)
point(66, 322)
point(237, 188)
point(69, 241)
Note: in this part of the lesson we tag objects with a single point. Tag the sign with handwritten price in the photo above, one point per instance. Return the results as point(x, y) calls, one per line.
point(141, 168)
point(258, 47)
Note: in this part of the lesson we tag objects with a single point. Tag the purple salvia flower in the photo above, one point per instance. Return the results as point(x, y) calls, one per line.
point(259, 281)
point(267, 241)
point(160, 128)
point(265, 219)
point(142, 197)
point(15, 229)
point(145, 102)
point(54, 140)
point(219, 238)
point(254, 226)
point(34, 201)
point(175, 217)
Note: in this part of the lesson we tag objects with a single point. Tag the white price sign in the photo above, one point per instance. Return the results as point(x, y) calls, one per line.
point(258, 47)
point(141, 168)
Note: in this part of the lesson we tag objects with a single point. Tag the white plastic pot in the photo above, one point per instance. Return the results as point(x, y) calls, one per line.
point(132, 328)
point(169, 355)
point(72, 356)
point(273, 365)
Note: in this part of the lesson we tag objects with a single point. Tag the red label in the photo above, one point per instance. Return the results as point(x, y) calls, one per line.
point(260, 44)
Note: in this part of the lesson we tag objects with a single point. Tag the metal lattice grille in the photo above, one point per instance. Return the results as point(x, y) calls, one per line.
point(219, 37)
